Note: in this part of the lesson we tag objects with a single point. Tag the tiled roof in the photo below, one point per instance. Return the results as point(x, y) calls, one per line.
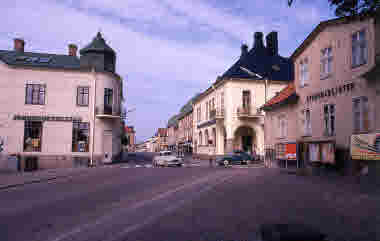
point(129, 129)
point(283, 95)
point(44, 60)
point(162, 131)
point(173, 121)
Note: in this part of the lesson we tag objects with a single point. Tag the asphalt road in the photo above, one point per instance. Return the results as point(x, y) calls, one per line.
point(199, 203)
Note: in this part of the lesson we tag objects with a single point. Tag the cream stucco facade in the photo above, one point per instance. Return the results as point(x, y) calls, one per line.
point(60, 100)
point(227, 126)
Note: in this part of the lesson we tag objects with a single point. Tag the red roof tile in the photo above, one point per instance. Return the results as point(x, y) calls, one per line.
point(284, 94)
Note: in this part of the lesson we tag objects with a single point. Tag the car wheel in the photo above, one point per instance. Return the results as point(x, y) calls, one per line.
point(225, 163)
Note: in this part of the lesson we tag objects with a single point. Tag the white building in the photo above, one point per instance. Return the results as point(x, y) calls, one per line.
point(226, 115)
point(62, 109)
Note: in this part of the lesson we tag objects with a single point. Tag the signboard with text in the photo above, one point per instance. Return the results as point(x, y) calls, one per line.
point(365, 146)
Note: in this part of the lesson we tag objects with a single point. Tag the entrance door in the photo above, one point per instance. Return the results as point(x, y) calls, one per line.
point(247, 143)
point(107, 146)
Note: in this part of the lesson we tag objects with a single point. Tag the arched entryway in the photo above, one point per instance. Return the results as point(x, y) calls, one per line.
point(245, 139)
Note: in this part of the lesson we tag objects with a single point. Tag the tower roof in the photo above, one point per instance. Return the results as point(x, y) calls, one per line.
point(98, 44)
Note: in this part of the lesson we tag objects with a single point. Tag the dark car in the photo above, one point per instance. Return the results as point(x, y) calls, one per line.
point(227, 160)
point(246, 157)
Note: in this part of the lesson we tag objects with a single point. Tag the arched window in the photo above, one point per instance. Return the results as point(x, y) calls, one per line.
point(206, 138)
point(200, 139)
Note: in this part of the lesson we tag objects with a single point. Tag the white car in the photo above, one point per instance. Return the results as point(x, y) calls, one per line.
point(167, 159)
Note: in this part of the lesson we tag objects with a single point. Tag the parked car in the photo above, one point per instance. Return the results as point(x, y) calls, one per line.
point(246, 157)
point(227, 160)
point(167, 159)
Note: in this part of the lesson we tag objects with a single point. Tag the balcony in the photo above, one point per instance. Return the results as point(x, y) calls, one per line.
point(248, 112)
point(219, 113)
point(104, 112)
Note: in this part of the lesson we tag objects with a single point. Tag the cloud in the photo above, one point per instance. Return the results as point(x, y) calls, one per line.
point(167, 51)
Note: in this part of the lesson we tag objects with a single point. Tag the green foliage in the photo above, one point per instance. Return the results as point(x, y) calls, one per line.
point(353, 7)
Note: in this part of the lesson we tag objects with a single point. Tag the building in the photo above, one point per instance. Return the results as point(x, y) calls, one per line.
point(227, 114)
point(185, 128)
point(162, 140)
point(61, 110)
point(172, 129)
point(131, 138)
point(336, 94)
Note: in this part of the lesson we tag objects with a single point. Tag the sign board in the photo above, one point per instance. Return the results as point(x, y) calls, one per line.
point(291, 151)
point(365, 146)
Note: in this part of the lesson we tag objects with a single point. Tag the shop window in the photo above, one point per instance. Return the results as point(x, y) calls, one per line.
point(360, 112)
point(80, 141)
point(82, 96)
point(32, 136)
point(35, 94)
point(359, 48)
point(329, 117)
point(304, 72)
point(326, 62)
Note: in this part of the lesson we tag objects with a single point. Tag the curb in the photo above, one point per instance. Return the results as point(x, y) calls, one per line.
point(3, 187)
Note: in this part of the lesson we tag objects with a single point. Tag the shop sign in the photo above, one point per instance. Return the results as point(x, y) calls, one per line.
point(365, 146)
point(46, 118)
point(331, 92)
point(291, 151)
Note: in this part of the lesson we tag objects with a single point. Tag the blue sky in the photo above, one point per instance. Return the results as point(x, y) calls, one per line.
point(167, 50)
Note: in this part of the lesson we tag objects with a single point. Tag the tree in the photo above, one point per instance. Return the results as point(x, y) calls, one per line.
point(353, 7)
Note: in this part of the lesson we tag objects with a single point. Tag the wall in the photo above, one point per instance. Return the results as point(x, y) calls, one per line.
point(60, 100)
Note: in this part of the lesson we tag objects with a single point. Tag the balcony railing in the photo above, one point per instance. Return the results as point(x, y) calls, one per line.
point(219, 113)
point(248, 112)
point(106, 111)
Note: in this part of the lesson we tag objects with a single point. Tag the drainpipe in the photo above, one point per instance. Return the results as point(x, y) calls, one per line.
point(93, 118)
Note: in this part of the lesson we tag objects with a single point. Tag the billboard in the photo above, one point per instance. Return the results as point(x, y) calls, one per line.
point(365, 146)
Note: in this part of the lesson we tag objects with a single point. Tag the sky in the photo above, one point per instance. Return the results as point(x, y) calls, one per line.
point(167, 50)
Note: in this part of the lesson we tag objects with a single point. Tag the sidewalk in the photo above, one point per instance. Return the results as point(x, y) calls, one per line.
point(8, 180)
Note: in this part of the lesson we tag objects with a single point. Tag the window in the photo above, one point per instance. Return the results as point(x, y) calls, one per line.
point(329, 117)
point(32, 136)
point(361, 114)
point(35, 94)
point(108, 101)
point(82, 96)
point(200, 138)
point(326, 62)
point(80, 141)
point(246, 99)
point(282, 126)
point(306, 122)
point(222, 101)
point(359, 48)
point(304, 72)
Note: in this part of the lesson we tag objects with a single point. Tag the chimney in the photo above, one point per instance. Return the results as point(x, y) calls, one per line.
point(19, 45)
point(244, 50)
point(272, 43)
point(258, 41)
point(73, 50)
